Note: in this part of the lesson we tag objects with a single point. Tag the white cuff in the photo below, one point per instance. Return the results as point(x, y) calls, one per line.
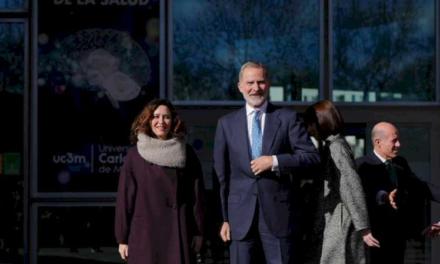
point(275, 164)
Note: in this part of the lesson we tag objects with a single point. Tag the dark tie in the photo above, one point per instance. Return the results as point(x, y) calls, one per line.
point(391, 172)
point(256, 135)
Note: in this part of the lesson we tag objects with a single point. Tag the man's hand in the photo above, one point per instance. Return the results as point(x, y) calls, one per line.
point(432, 230)
point(225, 232)
point(261, 164)
point(392, 199)
point(369, 239)
point(123, 251)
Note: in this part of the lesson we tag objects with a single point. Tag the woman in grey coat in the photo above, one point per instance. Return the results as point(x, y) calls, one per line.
point(342, 207)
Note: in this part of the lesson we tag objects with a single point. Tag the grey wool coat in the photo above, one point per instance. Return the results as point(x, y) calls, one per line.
point(343, 206)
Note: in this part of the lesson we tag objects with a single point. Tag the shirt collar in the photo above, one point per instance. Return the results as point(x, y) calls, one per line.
point(379, 156)
point(250, 110)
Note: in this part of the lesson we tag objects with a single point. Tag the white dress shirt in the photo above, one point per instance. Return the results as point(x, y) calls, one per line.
point(250, 112)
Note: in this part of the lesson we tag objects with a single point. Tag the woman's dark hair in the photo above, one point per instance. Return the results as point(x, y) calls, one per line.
point(323, 119)
point(142, 123)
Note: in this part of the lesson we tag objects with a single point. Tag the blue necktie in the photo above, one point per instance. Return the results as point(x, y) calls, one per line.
point(256, 135)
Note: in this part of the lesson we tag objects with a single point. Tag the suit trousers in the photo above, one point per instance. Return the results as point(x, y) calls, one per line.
point(391, 251)
point(276, 250)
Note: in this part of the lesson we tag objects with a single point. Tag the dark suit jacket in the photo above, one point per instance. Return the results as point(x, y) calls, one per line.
point(283, 136)
point(413, 195)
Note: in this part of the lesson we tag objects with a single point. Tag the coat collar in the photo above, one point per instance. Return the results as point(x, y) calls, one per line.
point(374, 159)
point(242, 128)
point(271, 128)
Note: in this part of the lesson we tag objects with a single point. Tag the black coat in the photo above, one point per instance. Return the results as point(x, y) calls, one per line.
point(390, 226)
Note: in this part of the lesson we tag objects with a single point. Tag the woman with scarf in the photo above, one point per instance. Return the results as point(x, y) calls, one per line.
point(159, 207)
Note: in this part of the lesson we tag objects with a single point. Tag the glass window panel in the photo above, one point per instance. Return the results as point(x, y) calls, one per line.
point(213, 38)
point(355, 136)
point(384, 50)
point(76, 235)
point(12, 4)
point(95, 74)
point(11, 141)
point(85, 234)
point(201, 137)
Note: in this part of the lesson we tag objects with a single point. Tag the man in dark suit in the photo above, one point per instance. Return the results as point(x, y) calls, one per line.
point(396, 198)
point(257, 148)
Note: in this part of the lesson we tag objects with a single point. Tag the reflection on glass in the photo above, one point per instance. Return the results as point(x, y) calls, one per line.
point(11, 141)
point(12, 4)
point(357, 145)
point(213, 38)
point(76, 235)
point(384, 50)
point(414, 140)
point(96, 75)
point(355, 136)
point(11, 58)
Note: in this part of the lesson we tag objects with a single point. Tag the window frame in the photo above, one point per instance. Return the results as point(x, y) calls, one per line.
point(325, 61)
point(167, 59)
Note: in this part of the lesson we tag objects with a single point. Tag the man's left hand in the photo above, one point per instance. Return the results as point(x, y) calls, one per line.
point(392, 198)
point(261, 164)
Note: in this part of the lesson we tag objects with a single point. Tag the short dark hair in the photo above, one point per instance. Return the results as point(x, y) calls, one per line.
point(253, 64)
point(141, 124)
point(323, 119)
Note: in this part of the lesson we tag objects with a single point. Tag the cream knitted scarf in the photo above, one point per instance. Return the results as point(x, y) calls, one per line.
point(168, 153)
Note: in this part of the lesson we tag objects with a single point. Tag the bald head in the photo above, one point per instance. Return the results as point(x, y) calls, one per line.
point(381, 129)
point(385, 138)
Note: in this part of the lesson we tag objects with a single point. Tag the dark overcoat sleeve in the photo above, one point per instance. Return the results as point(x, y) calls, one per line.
point(125, 200)
point(220, 165)
point(413, 198)
point(417, 187)
point(302, 153)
